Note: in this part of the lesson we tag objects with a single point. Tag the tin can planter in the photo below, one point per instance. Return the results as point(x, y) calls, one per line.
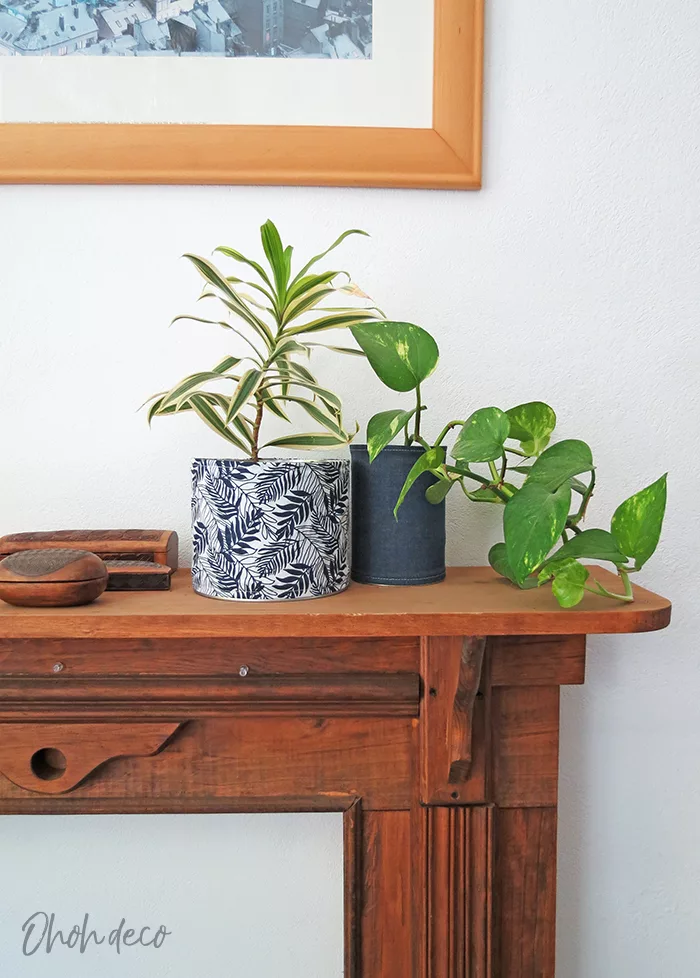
point(384, 550)
point(271, 530)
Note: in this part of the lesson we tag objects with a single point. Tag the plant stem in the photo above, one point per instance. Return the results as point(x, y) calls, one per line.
point(516, 451)
point(419, 409)
point(255, 439)
point(575, 520)
point(443, 434)
point(479, 478)
point(627, 596)
point(494, 471)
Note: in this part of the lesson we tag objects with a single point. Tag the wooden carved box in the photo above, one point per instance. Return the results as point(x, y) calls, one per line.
point(429, 716)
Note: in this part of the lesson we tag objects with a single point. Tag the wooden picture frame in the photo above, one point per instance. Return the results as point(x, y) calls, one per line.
point(448, 156)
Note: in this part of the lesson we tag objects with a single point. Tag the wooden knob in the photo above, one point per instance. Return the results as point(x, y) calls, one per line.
point(52, 578)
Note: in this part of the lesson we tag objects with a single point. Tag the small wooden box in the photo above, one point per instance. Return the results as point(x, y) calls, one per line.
point(53, 578)
point(154, 546)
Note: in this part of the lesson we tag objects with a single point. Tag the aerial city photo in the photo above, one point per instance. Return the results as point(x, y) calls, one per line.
point(335, 29)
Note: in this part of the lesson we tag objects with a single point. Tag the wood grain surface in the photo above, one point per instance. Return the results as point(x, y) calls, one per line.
point(470, 601)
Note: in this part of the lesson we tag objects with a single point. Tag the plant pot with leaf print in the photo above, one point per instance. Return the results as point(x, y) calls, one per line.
point(268, 528)
point(388, 546)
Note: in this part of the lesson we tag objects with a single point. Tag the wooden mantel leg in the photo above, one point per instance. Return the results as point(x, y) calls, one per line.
point(485, 826)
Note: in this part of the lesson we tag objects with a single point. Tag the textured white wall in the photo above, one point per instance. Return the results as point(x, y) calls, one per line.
point(572, 277)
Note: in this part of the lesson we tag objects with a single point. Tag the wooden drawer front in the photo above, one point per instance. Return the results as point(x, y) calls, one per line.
point(206, 657)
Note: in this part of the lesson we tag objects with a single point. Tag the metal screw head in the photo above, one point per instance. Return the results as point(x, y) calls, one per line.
point(58, 667)
point(243, 671)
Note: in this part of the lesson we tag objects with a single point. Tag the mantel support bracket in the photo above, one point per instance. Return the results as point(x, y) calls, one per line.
point(451, 669)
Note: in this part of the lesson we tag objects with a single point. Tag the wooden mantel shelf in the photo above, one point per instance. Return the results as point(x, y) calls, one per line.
point(471, 601)
point(429, 716)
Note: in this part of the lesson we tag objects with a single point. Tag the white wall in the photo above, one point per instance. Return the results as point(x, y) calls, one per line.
point(572, 277)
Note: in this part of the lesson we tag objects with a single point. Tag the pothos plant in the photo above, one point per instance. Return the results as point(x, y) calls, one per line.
point(545, 489)
point(276, 317)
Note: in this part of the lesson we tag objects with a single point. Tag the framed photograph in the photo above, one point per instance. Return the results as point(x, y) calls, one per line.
point(369, 93)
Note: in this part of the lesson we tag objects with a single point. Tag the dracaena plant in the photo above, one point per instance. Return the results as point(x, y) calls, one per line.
point(276, 316)
point(545, 490)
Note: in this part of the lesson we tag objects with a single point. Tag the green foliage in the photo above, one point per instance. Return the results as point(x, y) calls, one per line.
point(544, 488)
point(272, 323)
point(558, 464)
point(532, 424)
point(568, 579)
point(533, 521)
point(430, 461)
point(383, 427)
point(482, 437)
point(636, 523)
point(402, 355)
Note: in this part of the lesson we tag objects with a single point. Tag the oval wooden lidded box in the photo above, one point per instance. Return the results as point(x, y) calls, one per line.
point(52, 578)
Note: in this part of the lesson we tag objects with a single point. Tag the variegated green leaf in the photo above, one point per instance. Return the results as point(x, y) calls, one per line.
point(402, 355)
point(636, 524)
point(230, 297)
point(314, 411)
point(432, 459)
point(279, 259)
point(189, 384)
point(209, 416)
point(311, 439)
point(383, 427)
point(237, 256)
point(333, 321)
point(323, 254)
point(248, 384)
point(225, 325)
point(348, 350)
point(533, 521)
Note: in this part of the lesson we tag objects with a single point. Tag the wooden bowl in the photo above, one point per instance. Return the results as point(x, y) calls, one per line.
point(52, 578)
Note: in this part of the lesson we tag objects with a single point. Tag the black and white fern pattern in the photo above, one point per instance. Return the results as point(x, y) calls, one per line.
point(271, 530)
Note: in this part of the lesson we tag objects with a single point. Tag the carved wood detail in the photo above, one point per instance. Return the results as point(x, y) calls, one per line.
point(53, 758)
point(451, 674)
point(459, 872)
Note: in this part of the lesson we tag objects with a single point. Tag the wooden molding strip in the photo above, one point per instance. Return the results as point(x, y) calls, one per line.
point(351, 695)
point(459, 862)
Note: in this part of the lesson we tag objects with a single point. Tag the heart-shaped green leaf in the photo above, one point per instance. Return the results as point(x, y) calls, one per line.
point(560, 462)
point(482, 436)
point(437, 492)
point(636, 523)
point(383, 427)
point(568, 579)
point(594, 544)
point(498, 559)
point(532, 424)
point(402, 355)
point(432, 459)
point(533, 521)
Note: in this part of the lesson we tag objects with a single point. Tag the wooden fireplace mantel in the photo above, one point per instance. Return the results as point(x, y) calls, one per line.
point(429, 716)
